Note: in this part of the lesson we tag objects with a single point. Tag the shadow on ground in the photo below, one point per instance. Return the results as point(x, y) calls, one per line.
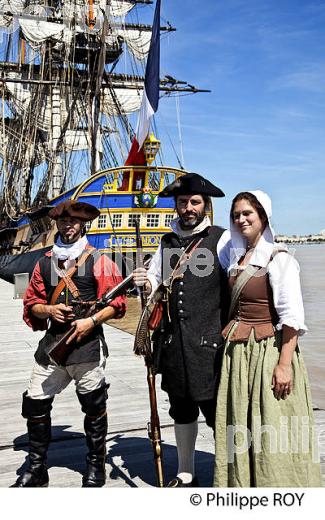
point(130, 459)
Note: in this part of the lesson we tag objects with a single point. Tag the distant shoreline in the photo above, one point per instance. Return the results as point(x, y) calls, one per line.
point(301, 242)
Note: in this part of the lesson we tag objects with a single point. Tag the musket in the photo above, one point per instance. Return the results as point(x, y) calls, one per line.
point(154, 424)
point(60, 350)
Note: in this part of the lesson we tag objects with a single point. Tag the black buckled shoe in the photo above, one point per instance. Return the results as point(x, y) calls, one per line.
point(177, 482)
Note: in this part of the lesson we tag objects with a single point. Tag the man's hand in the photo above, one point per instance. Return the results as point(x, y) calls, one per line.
point(140, 276)
point(61, 313)
point(81, 329)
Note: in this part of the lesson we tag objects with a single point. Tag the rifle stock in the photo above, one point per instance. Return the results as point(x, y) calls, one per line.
point(154, 433)
point(59, 353)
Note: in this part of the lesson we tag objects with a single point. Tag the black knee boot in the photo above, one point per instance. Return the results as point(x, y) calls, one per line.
point(93, 405)
point(37, 413)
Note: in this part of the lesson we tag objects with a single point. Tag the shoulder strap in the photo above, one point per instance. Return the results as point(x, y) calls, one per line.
point(239, 285)
point(183, 259)
point(66, 280)
point(276, 252)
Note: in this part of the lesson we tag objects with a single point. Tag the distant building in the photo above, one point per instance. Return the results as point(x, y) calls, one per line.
point(301, 239)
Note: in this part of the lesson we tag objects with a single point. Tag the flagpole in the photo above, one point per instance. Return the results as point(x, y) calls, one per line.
point(150, 99)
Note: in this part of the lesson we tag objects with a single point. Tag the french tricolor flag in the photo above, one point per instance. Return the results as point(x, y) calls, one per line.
point(150, 98)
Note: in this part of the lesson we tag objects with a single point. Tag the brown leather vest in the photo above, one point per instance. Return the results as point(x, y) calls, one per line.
point(255, 309)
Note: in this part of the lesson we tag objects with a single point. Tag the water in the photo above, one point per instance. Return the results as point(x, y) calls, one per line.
point(312, 262)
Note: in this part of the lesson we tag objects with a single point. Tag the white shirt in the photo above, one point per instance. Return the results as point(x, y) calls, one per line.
point(284, 277)
point(154, 271)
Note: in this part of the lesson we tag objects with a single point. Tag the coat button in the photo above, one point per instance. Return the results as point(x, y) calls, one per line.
point(181, 293)
point(205, 342)
point(181, 311)
point(180, 302)
point(215, 344)
point(181, 283)
point(62, 293)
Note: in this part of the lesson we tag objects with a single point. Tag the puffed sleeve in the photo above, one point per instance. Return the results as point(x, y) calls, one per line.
point(107, 277)
point(223, 249)
point(35, 293)
point(284, 276)
point(154, 271)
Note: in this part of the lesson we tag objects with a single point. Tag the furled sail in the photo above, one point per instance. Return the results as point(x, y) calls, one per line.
point(121, 101)
point(23, 97)
point(36, 31)
point(66, 94)
point(8, 7)
point(137, 41)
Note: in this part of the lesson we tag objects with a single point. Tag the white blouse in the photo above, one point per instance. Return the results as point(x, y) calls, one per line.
point(284, 277)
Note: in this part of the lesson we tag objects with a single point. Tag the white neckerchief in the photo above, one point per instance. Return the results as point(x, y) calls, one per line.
point(175, 225)
point(69, 252)
point(264, 248)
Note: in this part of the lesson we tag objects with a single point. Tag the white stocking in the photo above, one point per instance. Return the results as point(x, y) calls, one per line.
point(185, 435)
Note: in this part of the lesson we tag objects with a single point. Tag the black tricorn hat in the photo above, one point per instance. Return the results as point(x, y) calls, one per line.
point(73, 208)
point(191, 184)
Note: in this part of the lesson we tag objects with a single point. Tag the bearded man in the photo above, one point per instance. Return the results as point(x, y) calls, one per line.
point(50, 309)
point(188, 345)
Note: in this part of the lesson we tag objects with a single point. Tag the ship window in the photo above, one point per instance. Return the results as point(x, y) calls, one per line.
point(154, 181)
point(168, 178)
point(168, 219)
point(153, 220)
point(102, 221)
point(138, 180)
point(123, 181)
point(87, 226)
point(117, 220)
point(132, 218)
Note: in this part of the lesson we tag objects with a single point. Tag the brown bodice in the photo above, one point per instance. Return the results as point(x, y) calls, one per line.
point(255, 309)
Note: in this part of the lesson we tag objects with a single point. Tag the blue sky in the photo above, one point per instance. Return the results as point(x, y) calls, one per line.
point(263, 125)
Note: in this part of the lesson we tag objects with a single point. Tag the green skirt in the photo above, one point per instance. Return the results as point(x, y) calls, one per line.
point(262, 441)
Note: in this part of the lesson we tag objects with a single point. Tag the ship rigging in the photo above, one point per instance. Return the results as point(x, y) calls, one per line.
point(71, 76)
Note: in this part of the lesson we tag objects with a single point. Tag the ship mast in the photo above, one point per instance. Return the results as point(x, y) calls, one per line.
point(65, 105)
point(57, 165)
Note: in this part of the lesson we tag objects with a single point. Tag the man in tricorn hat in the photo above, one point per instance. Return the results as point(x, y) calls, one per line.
point(188, 344)
point(47, 307)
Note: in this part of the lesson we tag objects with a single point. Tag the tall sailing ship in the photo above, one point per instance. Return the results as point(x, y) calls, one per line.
point(71, 76)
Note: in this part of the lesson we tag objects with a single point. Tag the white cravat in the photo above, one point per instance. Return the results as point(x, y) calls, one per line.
point(176, 227)
point(69, 252)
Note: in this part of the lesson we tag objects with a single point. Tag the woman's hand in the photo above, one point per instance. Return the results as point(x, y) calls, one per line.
point(282, 381)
